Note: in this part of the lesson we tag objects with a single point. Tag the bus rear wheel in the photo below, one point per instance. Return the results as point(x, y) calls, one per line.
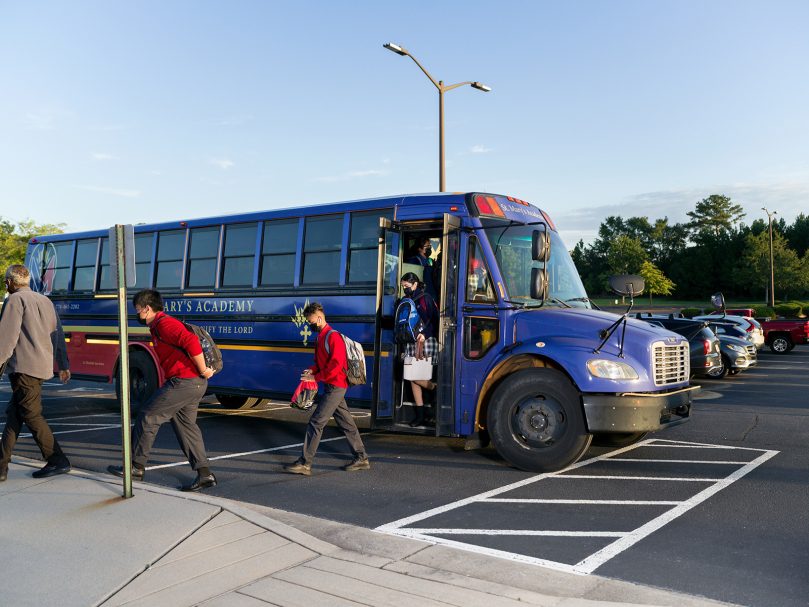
point(142, 379)
point(229, 401)
point(536, 421)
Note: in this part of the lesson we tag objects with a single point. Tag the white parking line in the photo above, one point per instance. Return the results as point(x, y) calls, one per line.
point(623, 541)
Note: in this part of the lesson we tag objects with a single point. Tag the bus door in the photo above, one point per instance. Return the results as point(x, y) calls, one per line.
point(447, 380)
point(387, 289)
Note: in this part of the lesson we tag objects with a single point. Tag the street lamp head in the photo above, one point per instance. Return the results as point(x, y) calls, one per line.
point(481, 87)
point(395, 48)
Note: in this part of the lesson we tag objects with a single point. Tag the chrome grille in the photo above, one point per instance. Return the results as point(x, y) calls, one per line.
point(670, 364)
point(751, 351)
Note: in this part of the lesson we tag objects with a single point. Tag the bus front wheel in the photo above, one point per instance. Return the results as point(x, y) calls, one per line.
point(536, 421)
point(618, 439)
point(142, 379)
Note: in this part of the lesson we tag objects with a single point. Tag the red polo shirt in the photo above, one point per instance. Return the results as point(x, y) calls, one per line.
point(330, 367)
point(171, 343)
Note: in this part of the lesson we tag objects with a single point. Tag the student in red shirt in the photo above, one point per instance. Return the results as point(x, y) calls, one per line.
point(330, 368)
point(180, 355)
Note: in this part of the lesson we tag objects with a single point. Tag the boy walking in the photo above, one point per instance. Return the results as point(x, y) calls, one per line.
point(330, 368)
point(180, 355)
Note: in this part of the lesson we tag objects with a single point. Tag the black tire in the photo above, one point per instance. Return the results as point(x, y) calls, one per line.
point(536, 421)
point(229, 401)
point(720, 372)
point(781, 344)
point(618, 439)
point(143, 380)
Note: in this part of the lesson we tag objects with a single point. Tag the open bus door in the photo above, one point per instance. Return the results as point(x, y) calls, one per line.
point(387, 289)
point(445, 391)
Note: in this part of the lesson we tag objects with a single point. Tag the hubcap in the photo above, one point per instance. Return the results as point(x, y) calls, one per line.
point(538, 422)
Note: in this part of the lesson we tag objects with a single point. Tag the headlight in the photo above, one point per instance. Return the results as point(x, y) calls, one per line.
point(610, 369)
point(737, 349)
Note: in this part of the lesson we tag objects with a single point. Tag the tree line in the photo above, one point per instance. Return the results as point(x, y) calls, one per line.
point(714, 251)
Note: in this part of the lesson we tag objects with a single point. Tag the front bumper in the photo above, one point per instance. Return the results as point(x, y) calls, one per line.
point(637, 412)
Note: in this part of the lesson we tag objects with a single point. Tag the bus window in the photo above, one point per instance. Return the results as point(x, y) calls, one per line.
point(278, 251)
point(106, 281)
point(478, 279)
point(202, 255)
point(240, 255)
point(59, 260)
point(84, 268)
point(480, 334)
point(170, 246)
point(321, 250)
point(143, 260)
point(364, 246)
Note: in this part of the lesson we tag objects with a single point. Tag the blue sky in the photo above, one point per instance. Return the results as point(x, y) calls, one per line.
point(127, 112)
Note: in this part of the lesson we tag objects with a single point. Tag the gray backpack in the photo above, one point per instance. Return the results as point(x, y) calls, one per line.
point(355, 372)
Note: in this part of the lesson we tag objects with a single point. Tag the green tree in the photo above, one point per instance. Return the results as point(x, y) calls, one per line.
point(798, 234)
point(656, 281)
point(713, 217)
point(790, 270)
point(14, 239)
point(625, 255)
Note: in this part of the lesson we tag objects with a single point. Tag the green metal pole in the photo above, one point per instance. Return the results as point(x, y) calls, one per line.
point(123, 341)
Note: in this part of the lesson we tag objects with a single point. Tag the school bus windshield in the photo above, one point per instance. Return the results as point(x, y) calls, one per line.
point(511, 244)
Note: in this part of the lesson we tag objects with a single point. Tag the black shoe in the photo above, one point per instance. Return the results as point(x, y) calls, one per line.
point(359, 463)
point(52, 470)
point(3, 474)
point(137, 473)
point(418, 420)
point(200, 483)
point(299, 467)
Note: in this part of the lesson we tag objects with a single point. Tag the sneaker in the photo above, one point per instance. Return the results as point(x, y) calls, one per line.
point(299, 466)
point(137, 473)
point(360, 463)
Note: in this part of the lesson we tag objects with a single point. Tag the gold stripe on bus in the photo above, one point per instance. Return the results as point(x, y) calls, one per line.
point(199, 294)
point(112, 342)
point(87, 329)
point(110, 296)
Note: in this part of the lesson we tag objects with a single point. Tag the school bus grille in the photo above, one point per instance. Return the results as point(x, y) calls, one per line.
point(671, 364)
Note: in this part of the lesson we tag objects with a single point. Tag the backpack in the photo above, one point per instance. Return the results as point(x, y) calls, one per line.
point(211, 352)
point(355, 357)
point(407, 322)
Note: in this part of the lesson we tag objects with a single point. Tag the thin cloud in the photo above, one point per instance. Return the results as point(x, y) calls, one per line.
point(102, 157)
point(479, 149)
point(223, 163)
point(110, 191)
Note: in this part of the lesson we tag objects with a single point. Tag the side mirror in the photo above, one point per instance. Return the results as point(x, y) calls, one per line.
point(718, 301)
point(627, 285)
point(539, 284)
point(540, 244)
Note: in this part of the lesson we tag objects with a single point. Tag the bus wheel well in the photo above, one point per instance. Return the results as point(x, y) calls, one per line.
point(144, 376)
point(503, 370)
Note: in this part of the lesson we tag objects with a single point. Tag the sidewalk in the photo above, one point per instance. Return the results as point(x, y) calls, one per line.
point(72, 540)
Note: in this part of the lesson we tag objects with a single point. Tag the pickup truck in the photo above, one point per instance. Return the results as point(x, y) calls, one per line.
point(783, 334)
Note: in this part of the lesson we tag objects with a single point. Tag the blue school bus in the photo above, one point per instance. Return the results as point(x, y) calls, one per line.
point(525, 361)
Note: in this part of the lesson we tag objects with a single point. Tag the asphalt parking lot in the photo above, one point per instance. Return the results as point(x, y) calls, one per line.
point(715, 507)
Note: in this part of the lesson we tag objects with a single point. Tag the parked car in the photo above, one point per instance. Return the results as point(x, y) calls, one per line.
point(746, 312)
point(704, 346)
point(783, 334)
point(750, 325)
point(737, 355)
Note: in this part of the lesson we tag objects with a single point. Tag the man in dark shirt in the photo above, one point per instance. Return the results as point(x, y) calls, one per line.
point(330, 367)
point(30, 339)
point(180, 355)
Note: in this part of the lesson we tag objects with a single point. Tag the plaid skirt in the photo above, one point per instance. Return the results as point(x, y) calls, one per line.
point(430, 349)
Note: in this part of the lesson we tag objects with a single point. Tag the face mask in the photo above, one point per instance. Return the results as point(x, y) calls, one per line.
point(408, 291)
point(315, 328)
point(141, 320)
point(428, 251)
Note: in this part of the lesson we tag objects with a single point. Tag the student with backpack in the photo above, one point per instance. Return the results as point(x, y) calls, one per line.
point(332, 368)
point(182, 359)
point(417, 332)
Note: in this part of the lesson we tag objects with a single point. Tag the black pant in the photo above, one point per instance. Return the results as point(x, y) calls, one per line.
point(177, 401)
point(26, 408)
point(332, 403)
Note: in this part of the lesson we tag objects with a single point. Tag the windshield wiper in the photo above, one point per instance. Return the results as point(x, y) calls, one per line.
point(585, 299)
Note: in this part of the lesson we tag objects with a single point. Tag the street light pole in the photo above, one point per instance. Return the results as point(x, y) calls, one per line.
point(442, 88)
point(772, 264)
